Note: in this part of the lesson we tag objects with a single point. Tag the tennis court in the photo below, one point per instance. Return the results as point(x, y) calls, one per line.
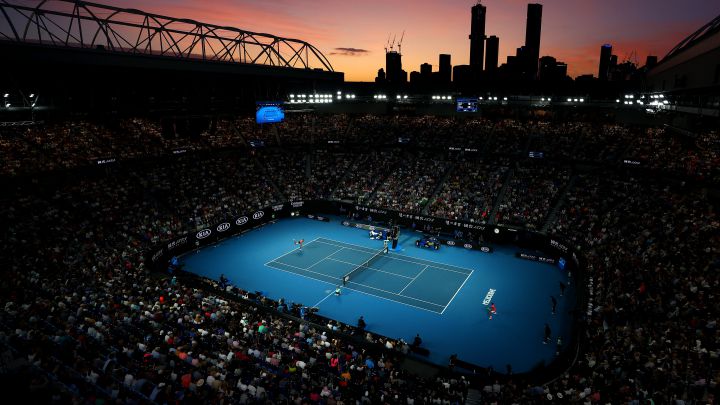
point(419, 283)
point(439, 294)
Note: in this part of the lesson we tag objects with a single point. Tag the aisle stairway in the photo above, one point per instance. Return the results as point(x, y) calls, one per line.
point(431, 198)
point(559, 202)
point(501, 196)
point(473, 397)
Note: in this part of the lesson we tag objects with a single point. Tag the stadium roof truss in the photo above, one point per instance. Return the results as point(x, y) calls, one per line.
point(705, 31)
point(75, 23)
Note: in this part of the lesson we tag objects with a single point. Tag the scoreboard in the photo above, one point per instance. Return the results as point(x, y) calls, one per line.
point(467, 105)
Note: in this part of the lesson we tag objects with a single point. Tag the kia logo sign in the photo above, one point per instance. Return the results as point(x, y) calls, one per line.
point(258, 215)
point(346, 223)
point(223, 227)
point(485, 249)
point(467, 246)
point(203, 234)
point(451, 243)
point(241, 221)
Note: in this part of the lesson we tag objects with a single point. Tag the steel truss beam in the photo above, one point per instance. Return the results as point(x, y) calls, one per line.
point(76, 23)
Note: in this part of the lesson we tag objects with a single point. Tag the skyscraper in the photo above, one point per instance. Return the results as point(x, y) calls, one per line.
point(491, 53)
point(477, 36)
point(393, 68)
point(445, 68)
point(532, 39)
point(604, 68)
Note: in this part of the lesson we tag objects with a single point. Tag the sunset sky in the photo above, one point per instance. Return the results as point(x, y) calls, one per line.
point(353, 34)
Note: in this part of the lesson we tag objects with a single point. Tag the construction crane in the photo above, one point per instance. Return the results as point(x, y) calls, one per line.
point(390, 46)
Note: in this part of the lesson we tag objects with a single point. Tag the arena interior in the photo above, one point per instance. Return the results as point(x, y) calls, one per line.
point(369, 243)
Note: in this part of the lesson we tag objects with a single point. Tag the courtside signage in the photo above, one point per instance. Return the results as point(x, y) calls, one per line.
point(489, 296)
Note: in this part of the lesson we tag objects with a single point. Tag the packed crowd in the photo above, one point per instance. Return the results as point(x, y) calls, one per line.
point(85, 321)
point(365, 174)
point(470, 192)
point(652, 250)
point(411, 184)
point(530, 194)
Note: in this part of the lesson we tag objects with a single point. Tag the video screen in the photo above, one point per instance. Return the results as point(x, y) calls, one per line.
point(269, 112)
point(467, 105)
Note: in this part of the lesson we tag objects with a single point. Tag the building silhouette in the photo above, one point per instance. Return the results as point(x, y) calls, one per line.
point(462, 76)
point(492, 51)
point(531, 52)
point(605, 60)
point(477, 36)
point(380, 76)
point(651, 61)
point(445, 70)
point(393, 68)
point(551, 70)
point(416, 78)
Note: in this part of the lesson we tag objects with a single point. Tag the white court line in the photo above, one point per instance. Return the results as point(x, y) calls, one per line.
point(285, 254)
point(320, 302)
point(456, 293)
point(433, 265)
point(321, 260)
point(352, 289)
point(364, 285)
point(411, 281)
point(369, 268)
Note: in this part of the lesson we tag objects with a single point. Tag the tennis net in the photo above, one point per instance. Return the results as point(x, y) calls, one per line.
point(364, 265)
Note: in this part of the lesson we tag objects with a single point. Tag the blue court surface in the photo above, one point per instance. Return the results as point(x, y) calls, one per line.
point(419, 283)
point(438, 294)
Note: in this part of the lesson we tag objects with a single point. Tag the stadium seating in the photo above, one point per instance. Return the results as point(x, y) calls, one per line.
point(84, 319)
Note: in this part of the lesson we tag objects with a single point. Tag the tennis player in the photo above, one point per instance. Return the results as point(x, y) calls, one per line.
point(299, 243)
point(491, 310)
